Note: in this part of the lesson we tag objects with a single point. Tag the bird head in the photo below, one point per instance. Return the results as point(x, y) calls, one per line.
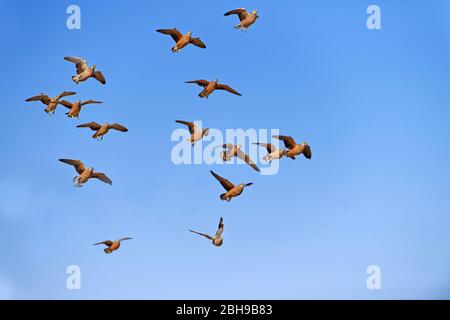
point(93, 67)
point(92, 169)
point(255, 12)
point(189, 33)
point(304, 143)
point(106, 123)
point(215, 80)
point(238, 146)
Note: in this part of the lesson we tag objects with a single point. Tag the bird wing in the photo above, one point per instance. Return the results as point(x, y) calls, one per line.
point(102, 177)
point(307, 151)
point(65, 94)
point(288, 141)
point(270, 147)
point(89, 102)
point(220, 228)
point(79, 166)
point(92, 125)
point(201, 83)
point(241, 12)
point(98, 75)
point(118, 127)
point(224, 182)
point(65, 103)
point(80, 63)
point(198, 43)
point(227, 88)
point(203, 234)
point(41, 97)
point(174, 33)
point(191, 125)
point(126, 238)
point(106, 242)
point(242, 155)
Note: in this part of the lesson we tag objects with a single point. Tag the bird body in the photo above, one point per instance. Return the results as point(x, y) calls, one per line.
point(101, 130)
point(211, 86)
point(84, 173)
point(217, 240)
point(294, 149)
point(245, 19)
point(181, 40)
point(84, 176)
point(232, 193)
point(112, 245)
point(232, 190)
point(84, 72)
point(51, 103)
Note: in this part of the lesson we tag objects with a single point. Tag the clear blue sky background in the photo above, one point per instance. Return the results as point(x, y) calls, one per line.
point(374, 105)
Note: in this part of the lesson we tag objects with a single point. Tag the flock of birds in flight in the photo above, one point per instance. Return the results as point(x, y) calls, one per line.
point(84, 173)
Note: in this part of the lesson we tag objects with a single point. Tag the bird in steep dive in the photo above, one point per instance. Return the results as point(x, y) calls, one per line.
point(217, 240)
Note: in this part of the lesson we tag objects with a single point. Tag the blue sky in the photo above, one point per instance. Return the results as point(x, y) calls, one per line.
point(372, 104)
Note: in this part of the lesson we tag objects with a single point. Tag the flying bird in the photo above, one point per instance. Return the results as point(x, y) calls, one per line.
point(217, 240)
point(295, 149)
point(232, 190)
point(210, 86)
point(196, 133)
point(84, 174)
point(84, 72)
point(101, 130)
point(51, 103)
point(112, 245)
point(234, 150)
point(273, 152)
point(75, 108)
point(246, 19)
point(181, 40)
